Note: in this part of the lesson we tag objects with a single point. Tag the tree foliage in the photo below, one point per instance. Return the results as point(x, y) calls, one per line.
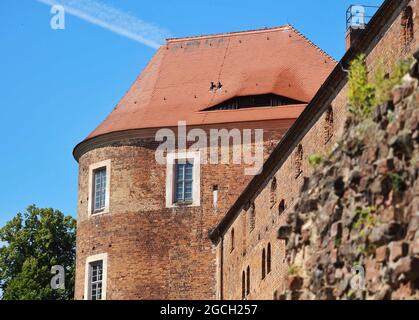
point(366, 92)
point(361, 91)
point(34, 242)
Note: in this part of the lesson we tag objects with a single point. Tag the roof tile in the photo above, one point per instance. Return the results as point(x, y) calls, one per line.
point(175, 85)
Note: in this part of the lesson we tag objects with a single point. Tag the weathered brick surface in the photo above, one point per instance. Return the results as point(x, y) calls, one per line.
point(155, 252)
point(389, 49)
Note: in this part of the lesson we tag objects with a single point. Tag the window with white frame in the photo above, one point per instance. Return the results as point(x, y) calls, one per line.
point(96, 280)
point(96, 277)
point(99, 187)
point(99, 192)
point(183, 179)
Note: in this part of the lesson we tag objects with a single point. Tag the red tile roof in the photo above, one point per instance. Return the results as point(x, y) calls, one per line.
point(176, 83)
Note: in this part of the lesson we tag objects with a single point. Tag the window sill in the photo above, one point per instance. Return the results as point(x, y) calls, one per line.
point(99, 212)
point(184, 204)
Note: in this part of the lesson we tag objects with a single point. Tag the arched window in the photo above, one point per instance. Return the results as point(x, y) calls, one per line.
point(281, 207)
point(248, 281)
point(252, 216)
point(273, 191)
point(298, 161)
point(407, 26)
point(232, 240)
point(263, 264)
point(328, 125)
point(268, 259)
point(243, 285)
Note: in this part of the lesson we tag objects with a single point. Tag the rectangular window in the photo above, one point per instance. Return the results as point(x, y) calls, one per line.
point(183, 179)
point(183, 182)
point(99, 190)
point(96, 280)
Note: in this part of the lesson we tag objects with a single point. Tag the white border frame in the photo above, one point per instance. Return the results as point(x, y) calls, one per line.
point(98, 257)
point(195, 156)
point(103, 164)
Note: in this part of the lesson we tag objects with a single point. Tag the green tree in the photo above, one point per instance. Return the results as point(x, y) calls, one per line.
point(34, 242)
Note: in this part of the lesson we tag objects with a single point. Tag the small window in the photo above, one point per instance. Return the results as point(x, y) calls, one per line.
point(252, 217)
point(272, 196)
point(232, 240)
point(183, 179)
point(298, 161)
point(328, 125)
point(95, 280)
point(99, 190)
point(407, 26)
point(248, 281)
point(263, 264)
point(215, 196)
point(95, 277)
point(184, 182)
point(268, 259)
point(281, 207)
point(243, 285)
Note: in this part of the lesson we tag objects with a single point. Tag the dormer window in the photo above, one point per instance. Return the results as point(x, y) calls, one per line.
point(256, 101)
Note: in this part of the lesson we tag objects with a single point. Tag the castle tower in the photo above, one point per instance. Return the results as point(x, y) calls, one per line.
point(143, 224)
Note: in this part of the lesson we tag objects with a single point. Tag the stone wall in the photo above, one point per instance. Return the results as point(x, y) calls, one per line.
point(358, 215)
point(292, 175)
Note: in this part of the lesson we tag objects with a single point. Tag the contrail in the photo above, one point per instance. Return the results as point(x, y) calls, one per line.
point(113, 19)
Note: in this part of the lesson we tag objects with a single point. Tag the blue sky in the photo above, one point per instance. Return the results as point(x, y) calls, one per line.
point(56, 86)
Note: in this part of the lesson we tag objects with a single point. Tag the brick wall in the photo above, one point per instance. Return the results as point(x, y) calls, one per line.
point(155, 252)
point(249, 245)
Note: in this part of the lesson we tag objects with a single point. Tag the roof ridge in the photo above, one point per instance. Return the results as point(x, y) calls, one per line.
point(252, 31)
point(312, 43)
point(232, 33)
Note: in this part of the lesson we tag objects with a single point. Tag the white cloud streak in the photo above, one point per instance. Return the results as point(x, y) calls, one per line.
point(113, 19)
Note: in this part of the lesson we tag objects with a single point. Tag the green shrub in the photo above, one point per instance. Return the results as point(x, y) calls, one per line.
point(384, 82)
point(365, 94)
point(293, 270)
point(315, 159)
point(366, 220)
point(390, 116)
point(396, 181)
point(361, 93)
